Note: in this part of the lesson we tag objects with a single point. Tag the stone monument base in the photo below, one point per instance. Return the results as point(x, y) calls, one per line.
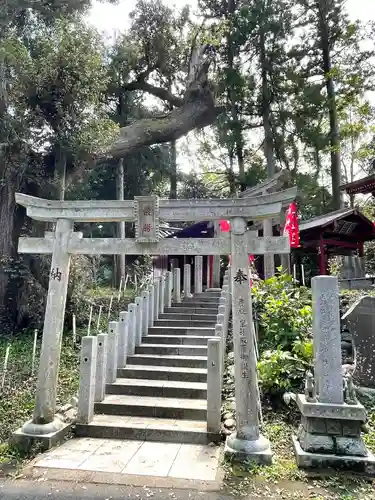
point(257, 451)
point(43, 436)
point(330, 436)
point(306, 460)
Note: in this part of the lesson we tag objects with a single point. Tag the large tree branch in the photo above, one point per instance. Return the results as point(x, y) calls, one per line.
point(196, 110)
point(159, 92)
point(193, 114)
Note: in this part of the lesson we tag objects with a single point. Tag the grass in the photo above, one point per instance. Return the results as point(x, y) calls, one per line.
point(18, 396)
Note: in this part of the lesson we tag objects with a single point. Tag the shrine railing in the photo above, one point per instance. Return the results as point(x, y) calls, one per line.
point(104, 354)
point(216, 359)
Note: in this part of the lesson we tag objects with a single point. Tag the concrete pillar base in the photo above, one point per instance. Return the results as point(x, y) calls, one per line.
point(44, 435)
point(257, 450)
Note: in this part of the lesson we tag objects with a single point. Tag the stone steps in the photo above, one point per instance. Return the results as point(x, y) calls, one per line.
point(189, 304)
point(182, 330)
point(211, 294)
point(163, 373)
point(169, 350)
point(210, 311)
point(161, 394)
point(169, 360)
point(183, 322)
point(158, 388)
point(192, 340)
point(206, 298)
point(156, 407)
point(148, 429)
point(188, 317)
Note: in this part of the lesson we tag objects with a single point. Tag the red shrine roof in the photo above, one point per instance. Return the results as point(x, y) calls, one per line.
point(362, 186)
point(347, 222)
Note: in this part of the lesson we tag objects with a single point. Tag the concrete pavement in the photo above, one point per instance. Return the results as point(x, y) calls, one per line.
point(36, 490)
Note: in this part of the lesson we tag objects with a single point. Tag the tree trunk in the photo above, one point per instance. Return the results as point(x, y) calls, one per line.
point(268, 259)
point(266, 108)
point(237, 128)
point(231, 176)
point(173, 174)
point(120, 225)
point(334, 132)
point(60, 172)
point(7, 243)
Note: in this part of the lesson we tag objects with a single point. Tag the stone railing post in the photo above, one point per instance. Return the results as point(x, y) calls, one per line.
point(87, 378)
point(177, 285)
point(187, 281)
point(227, 295)
point(131, 329)
point(220, 318)
point(198, 274)
point(112, 352)
point(156, 298)
point(208, 273)
point(166, 290)
point(139, 320)
point(101, 367)
point(123, 339)
point(214, 385)
point(222, 312)
point(220, 332)
point(146, 309)
point(169, 289)
point(151, 304)
point(162, 293)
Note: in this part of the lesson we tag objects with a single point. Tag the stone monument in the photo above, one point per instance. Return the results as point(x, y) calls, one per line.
point(332, 418)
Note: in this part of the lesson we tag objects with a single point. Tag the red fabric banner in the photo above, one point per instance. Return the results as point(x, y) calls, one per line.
point(291, 225)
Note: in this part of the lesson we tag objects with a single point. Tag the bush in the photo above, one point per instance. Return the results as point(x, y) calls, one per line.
point(284, 316)
point(284, 370)
point(282, 310)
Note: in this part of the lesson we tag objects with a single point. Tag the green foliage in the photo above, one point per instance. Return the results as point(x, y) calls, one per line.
point(283, 313)
point(281, 370)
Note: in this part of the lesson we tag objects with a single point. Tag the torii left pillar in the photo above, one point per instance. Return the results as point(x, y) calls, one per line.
point(45, 428)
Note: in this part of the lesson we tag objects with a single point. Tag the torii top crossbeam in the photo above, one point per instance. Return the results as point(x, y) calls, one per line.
point(254, 208)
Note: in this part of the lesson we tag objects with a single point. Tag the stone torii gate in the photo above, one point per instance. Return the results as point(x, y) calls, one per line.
point(146, 211)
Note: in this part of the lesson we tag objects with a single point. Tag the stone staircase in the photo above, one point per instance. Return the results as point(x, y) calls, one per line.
point(161, 393)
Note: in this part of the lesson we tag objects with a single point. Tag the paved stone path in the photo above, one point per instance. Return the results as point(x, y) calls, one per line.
point(153, 419)
point(132, 457)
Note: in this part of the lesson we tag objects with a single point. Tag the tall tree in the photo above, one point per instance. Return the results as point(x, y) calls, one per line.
point(333, 58)
point(33, 50)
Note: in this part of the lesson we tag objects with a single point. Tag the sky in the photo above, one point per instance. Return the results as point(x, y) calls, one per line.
point(114, 18)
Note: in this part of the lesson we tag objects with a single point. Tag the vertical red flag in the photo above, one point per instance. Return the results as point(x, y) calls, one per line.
point(291, 225)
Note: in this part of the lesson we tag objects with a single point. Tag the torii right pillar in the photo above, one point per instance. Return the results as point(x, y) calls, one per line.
point(246, 443)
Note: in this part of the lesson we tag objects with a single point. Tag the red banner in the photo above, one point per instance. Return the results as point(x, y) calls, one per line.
point(291, 225)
